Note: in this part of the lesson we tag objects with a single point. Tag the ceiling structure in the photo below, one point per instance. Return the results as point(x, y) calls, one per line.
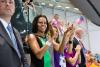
point(57, 4)
point(89, 8)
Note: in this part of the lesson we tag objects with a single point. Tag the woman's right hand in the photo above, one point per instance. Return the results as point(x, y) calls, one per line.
point(69, 32)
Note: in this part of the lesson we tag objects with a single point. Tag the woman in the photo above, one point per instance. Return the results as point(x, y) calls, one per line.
point(72, 55)
point(57, 54)
point(39, 42)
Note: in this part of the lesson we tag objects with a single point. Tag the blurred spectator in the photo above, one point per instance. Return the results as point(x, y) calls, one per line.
point(18, 17)
point(97, 57)
point(29, 10)
point(94, 63)
point(25, 44)
point(72, 56)
point(57, 23)
point(78, 40)
point(88, 58)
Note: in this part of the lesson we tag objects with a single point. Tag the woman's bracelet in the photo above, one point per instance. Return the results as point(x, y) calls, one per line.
point(48, 43)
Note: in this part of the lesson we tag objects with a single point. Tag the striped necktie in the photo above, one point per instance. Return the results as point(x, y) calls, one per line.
point(13, 39)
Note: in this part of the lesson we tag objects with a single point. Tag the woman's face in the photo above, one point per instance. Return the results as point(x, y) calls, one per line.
point(42, 24)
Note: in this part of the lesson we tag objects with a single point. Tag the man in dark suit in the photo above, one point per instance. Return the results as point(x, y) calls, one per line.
point(77, 40)
point(11, 52)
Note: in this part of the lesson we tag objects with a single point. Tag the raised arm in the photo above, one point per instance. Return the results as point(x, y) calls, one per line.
point(73, 60)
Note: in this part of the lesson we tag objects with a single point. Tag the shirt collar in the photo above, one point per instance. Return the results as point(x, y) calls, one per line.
point(77, 38)
point(5, 24)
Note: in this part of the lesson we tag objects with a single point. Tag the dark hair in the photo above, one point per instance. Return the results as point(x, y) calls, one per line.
point(57, 40)
point(24, 0)
point(35, 26)
point(56, 15)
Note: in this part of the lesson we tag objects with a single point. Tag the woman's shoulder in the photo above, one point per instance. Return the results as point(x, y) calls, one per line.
point(31, 36)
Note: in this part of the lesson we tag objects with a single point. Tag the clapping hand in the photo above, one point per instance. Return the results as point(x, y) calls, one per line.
point(69, 31)
point(78, 48)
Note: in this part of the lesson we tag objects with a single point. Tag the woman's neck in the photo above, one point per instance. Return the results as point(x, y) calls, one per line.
point(40, 34)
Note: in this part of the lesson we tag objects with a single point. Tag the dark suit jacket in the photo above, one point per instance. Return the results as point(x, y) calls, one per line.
point(75, 43)
point(8, 55)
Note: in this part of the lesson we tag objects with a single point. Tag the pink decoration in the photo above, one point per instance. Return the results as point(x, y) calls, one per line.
point(79, 20)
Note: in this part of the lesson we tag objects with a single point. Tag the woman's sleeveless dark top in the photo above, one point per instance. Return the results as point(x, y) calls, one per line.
point(35, 62)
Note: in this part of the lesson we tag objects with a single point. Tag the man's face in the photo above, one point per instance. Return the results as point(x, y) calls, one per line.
point(7, 7)
point(80, 33)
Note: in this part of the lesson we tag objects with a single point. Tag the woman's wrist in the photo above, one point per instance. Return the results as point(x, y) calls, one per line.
point(48, 43)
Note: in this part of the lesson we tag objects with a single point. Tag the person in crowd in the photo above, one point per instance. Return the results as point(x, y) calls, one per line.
point(94, 62)
point(91, 60)
point(40, 43)
point(28, 3)
point(97, 57)
point(55, 50)
point(57, 23)
point(78, 40)
point(72, 56)
point(18, 17)
point(88, 58)
point(29, 10)
point(11, 52)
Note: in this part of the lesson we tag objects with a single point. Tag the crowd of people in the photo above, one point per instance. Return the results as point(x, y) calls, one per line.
point(50, 44)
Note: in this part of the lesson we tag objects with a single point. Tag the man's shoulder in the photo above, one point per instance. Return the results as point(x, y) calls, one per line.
point(15, 30)
point(75, 41)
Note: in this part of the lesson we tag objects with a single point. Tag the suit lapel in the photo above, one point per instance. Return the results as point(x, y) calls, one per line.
point(19, 41)
point(4, 33)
